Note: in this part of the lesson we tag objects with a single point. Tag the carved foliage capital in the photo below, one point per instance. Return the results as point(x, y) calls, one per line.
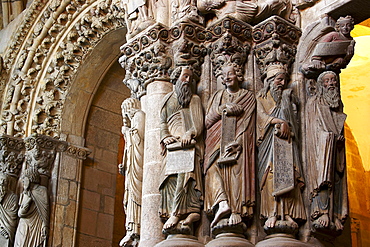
point(229, 42)
point(11, 155)
point(276, 41)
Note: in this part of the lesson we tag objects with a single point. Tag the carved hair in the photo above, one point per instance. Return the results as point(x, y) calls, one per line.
point(129, 104)
point(320, 81)
point(341, 19)
point(238, 71)
point(32, 174)
point(177, 72)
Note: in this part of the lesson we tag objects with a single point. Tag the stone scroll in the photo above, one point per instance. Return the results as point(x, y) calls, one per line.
point(180, 160)
point(283, 167)
point(227, 136)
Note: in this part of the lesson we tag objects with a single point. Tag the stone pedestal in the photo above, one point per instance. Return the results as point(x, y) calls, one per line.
point(180, 240)
point(282, 240)
point(229, 240)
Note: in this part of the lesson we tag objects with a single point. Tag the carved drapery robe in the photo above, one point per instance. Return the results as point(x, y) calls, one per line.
point(34, 218)
point(181, 193)
point(133, 163)
point(267, 110)
point(8, 219)
point(326, 160)
point(234, 183)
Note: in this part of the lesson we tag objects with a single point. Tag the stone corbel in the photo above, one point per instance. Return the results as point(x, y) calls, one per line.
point(275, 42)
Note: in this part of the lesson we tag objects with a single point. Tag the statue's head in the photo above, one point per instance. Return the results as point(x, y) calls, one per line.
point(182, 74)
point(275, 80)
point(30, 175)
point(328, 88)
point(182, 77)
point(345, 25)
point(232, 76)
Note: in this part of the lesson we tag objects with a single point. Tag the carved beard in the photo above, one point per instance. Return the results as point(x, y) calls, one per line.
point(276, 93)
point(331, 97)
point(184, 93)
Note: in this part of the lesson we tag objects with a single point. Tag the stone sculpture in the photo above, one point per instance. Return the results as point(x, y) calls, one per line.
point(8, 212)
point(326, 162)
point(279, 170)
point(230, 151)
point(247, 11)
point(132, 168)
point(138, 16)
point(185, 10)
point(33, 213)
point(181, 134)
point(10, 10)
point(333, 51)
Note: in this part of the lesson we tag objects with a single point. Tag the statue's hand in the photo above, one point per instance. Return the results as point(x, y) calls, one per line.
point(121, 169)
point(233, 109)
point(284, 128)
point(317, 64)
point(169, 140)
point(4, 233)
point(232, 148)
point(186, 139)
point(341, 138)
point(44, 232)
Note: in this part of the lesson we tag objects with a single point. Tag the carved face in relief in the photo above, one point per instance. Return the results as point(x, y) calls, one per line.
point(279, 81)
point(186, 76)
point(230, 79)
point(330, 81)
point(183, 87)
point(330, 91)
point(345, 27)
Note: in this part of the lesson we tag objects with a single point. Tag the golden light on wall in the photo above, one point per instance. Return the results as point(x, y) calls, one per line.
point(355, 90)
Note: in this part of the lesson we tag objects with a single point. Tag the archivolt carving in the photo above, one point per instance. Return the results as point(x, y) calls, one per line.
point(61, 38)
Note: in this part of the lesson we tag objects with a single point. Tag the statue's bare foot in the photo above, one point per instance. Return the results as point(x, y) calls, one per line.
point(223, 209)
point(291, 221)
point(191, 218)
point(126, 241)
point(270, 222)
point(324, 220)
point(338, 224)
point(171, 222)
point(234, 219)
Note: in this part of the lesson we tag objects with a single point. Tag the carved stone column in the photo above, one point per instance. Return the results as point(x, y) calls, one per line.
point(146, 60)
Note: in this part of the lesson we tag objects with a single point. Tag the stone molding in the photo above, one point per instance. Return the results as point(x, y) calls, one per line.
point(57, 43)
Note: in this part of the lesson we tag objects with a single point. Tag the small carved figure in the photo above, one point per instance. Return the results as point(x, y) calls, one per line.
point(132, 168)
point(8, 212)
point(230, 151)
point(138, 16)
point(334, 50)
point(326, 154)
point(181, 128)
point(185, 10)
point(247, 11)
point(33, 211)
point(279, 170)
